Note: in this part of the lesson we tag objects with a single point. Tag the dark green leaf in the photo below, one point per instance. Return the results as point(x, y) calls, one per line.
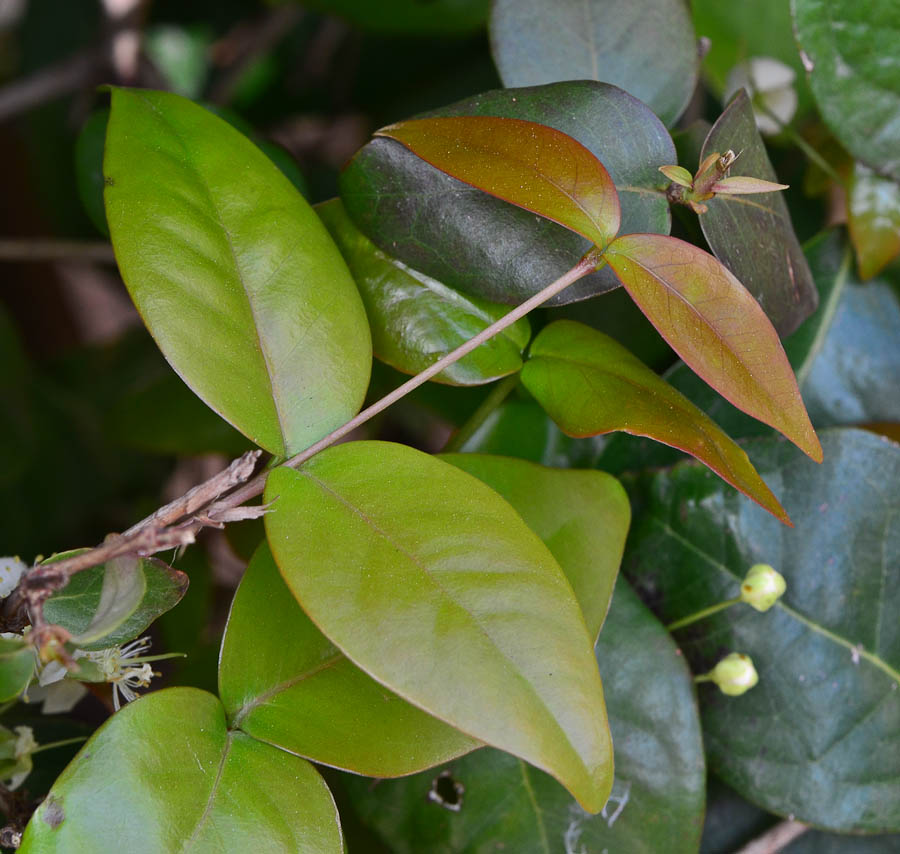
point(582, 516)
point(16, 667)
point(89, 167)
point(873, 213)
point(441, 565)
point(482, 245)
point(415, 319)
point(657, 799)
point(283, 682)
point(753, 236)
point(530, 165)
point(850, 50)
point(646, 47)
point(160, 414)
point(165, 774)
point(856, 374)
point(817, 738)
point(717, 328)
point(235, 276)
point(93, 594)
point(589, 384)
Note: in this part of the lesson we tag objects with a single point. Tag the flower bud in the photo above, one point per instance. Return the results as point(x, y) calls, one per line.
point(762, 587)
point(734, 674)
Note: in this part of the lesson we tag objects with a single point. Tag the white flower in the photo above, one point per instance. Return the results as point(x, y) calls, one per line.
point(125, 677)
point(770, 85)
point(11, 570)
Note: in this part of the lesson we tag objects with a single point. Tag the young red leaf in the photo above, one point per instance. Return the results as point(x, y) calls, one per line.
point(589, 384)
point(740, 186)
point(711, 320)
point(530, 165)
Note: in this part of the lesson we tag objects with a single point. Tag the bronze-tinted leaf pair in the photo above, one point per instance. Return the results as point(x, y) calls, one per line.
point(695, 303)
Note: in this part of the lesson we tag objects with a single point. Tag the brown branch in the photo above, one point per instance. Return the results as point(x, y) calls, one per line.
point(40, 249)
point(51, 82)
point(775, 839)
point(217, 500)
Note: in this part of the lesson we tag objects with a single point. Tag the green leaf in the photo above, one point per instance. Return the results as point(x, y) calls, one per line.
point(589, 384)
point(408, 17)
point(582, 517)
point(855, 377)
point(89, 167)
point(646, 47)
point(415, 319)
point(829, 259)
point(848, 49)
point(717, 328)
point(16, 667)
point(482, 245)
point(754, 238)
point(678, 175)
point(817, 737)
point(115, 602)
point(530, 165)
point(166, 774)
point(873, 213)
point(233, 273)
point(657, 801)
point(447, 581)
point(283, 682)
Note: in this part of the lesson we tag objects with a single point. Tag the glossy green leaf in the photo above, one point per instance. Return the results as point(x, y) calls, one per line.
point(646, 47)
point(482, 245)
point(582, 516)
point(717, 328)
point(408, 17)
point(873, 214)
point(114, 603)
point(817, 738)
point(17, 661)
point(753, 237)
point(849, 50)
point(520, 428)
point(283, 682)
point(415, 319)
point(233, 273)
point(166, 774)
point(447, 581)
point(589, 384)
point(530, 165)
point(856, 374)
point(657, 800)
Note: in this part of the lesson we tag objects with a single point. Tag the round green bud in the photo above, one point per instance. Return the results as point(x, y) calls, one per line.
point(734, 674)
point(762, 587)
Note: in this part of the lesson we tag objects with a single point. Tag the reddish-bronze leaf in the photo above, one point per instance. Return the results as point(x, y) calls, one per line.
point(741, 185)
point(712, 321)
point(588, 384)
point(533, 166)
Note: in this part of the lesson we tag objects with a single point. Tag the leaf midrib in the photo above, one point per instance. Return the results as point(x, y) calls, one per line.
point(273, 388)
point(367, 520)
point(872, 658)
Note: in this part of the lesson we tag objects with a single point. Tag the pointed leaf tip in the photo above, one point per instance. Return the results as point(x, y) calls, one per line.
point(529, 165)
point(740, 186)
point(717, 327)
